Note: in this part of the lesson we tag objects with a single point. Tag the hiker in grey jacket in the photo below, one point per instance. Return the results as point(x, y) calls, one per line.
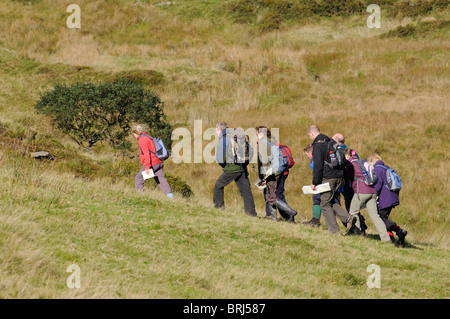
point(268, 177)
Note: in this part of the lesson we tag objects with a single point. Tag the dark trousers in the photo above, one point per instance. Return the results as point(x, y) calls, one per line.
point(384, 214)
point(348, 193)
point(243, 184)
point(330, 209)
point(279, 193)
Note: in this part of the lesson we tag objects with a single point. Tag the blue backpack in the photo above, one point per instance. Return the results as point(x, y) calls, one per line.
point(394, 183)
point(161, 151)
point(280, 162)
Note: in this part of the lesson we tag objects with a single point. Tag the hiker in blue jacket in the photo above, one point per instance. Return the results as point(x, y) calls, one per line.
point(387, 199)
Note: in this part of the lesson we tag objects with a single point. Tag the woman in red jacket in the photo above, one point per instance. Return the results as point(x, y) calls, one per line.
point(149, 161)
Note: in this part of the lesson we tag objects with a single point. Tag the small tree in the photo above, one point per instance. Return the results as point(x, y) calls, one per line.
point(90, 113)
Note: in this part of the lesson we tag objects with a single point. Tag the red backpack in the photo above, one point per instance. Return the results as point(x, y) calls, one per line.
point(287, 152)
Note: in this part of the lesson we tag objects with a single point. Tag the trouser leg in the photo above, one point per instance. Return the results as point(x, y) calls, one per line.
point(218, 194)
point(270, 195)
point(280, 194)
point(376, 219)
point(358, 201)
point(326, 205)
point(160, 179)
point(384, 215)
point(139, 180)
point(243, 185)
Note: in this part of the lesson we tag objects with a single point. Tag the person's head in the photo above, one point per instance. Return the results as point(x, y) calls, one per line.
point(349, 153)
point(220, 126)
point(313, 131)
point(373, 158)
point(308, 151)
point(261, 132)
point(137, 130)
point(339, 138)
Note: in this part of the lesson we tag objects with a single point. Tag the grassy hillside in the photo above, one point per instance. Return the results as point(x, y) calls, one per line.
point(385, 89)
point(134, 246)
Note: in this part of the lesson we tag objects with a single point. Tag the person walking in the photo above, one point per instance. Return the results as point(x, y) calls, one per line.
point(364, 195)
point(315, 220)
point(324, 172)
point(346, 189)
point(232, 171)
point(387, 199)
point(149, 161)
point(270, 178)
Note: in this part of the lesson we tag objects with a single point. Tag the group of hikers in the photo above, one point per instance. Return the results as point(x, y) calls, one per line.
point(363, 183)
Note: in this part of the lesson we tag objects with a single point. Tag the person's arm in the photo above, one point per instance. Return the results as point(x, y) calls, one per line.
point(145, 149)
point(318, 158)
point(221, 151)
point(379, 185)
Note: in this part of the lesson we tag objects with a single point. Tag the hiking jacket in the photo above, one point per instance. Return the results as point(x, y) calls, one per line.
point(265, 157)
point(224, 148)
point(322, 168)
point(358, 184)
point(386, 198)
point(146, 147)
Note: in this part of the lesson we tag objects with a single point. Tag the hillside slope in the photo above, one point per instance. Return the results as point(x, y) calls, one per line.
point(134, 246)
point(385, 89)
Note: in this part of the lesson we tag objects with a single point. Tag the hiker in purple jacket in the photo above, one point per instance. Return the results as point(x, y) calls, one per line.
point(387, 199)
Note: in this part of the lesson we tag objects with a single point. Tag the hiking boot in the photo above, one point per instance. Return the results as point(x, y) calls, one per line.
point(351, 224)
point(273, 213)
point(314, 222)
point(401, 233)
point(285, 208)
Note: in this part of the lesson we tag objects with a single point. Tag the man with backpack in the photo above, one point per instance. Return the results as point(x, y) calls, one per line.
point(315, 220)
point(233, 170)
point(329, 163)
point(150, 161)
point(272, 163)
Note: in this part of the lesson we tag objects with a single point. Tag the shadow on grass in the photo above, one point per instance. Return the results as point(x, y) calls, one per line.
point(405, 245)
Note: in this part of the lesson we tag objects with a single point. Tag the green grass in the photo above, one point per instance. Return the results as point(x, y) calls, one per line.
point(129, 245)
point(386, 95)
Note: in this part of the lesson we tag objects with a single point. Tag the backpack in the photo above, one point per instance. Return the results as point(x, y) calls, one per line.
point(394, 184)
point(161, 151)
point(337, 155)
point(280, 161)
point(287, 152)
point(242, 151)
point(368, 171)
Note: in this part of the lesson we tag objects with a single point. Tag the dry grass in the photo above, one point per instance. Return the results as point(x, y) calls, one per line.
point(388, 96)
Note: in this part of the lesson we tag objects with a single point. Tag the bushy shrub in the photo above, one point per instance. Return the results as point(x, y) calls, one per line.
point(90, 113)
point(272, 13)
point(422, 29)
point(416, 8)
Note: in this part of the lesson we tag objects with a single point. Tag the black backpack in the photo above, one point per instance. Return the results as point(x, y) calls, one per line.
point(337, 155)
